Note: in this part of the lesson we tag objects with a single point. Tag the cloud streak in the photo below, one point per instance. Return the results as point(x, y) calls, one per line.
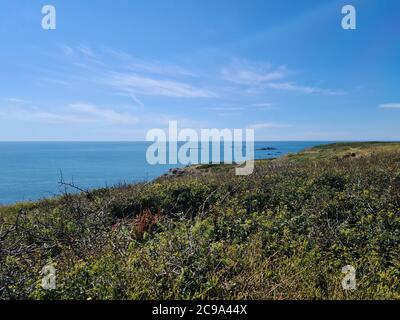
point(252, 74)
point(72, 113)
point(134, 77)
point(268, 125)
point(390, 106)
point(289, 86)
point(135, 64)
point(259, 76)
point(142, 85)
point(99, 114)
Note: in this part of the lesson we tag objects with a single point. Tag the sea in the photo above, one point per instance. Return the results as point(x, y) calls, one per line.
point(33, 170)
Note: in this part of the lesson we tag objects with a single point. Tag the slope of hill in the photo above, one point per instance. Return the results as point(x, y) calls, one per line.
point(284, 232)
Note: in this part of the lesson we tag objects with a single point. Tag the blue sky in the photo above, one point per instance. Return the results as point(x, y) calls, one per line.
point(114, 69)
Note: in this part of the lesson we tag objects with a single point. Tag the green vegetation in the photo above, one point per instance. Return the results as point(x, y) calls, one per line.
point(347, 149)
point(284, 232)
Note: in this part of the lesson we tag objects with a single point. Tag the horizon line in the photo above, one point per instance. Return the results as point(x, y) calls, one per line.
point(274, 140)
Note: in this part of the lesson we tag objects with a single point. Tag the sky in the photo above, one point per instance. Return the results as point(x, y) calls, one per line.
point(112, 70)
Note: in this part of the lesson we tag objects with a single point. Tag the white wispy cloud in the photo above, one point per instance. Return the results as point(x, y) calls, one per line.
point(132, 76)
point(226, 108)
point(15, 100)
point(262, 105)
point(72, 113)
point(248, 77)
point(256, 76)
point(148, 66)
point(67, 50)
point(252, 74)
point(135, 99)
point(106, 115)
point(244, 107)
point(390, 106)
point(86, 51)
point(82, 54)
point(268, 125)
point(290, 86)
point(143, 85)
point(35, 115)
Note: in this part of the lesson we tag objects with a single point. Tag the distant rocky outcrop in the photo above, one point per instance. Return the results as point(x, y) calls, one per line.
point(266, 149)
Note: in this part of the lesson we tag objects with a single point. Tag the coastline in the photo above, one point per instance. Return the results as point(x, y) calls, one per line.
point(322, 151)
point(32, 170)
point(213, 235)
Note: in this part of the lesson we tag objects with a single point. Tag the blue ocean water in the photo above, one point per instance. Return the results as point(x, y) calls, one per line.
point(32, 170)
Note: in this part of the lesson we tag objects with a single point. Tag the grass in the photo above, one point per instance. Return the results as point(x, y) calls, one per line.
point(284, 232)
point(346, 149)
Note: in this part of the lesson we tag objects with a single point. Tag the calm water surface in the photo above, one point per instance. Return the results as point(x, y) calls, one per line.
point(32, 170)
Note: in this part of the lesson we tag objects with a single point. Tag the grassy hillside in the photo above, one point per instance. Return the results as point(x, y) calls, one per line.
point(285, 232)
